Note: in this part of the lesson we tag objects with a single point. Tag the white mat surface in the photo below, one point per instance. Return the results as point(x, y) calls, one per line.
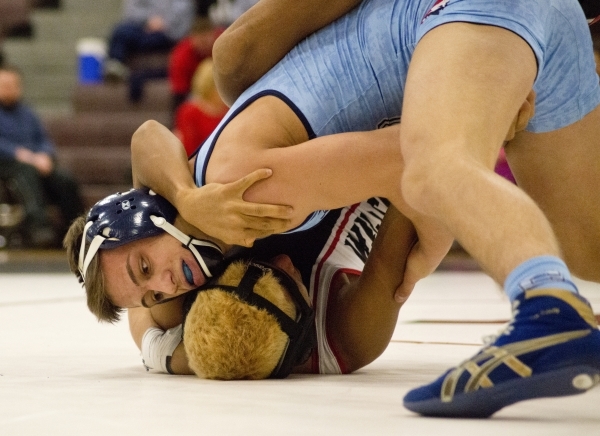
point(62, 373)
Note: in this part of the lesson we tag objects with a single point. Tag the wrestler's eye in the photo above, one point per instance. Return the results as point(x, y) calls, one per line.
point(144, 267)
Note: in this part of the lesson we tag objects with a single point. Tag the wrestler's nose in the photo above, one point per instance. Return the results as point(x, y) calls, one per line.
point(163, 282)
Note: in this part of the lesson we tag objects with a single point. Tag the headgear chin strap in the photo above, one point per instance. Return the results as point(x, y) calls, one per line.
point(137, 214)
point(190, 243)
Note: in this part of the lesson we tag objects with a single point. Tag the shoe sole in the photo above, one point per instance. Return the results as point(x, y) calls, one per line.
point(486, 401)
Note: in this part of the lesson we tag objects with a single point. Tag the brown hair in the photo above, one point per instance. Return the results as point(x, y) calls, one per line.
point(98, 300)
point(227, 339)
point(201, 25)
point(203, 82)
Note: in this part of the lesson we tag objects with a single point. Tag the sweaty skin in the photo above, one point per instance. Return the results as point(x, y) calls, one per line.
point(361, 319)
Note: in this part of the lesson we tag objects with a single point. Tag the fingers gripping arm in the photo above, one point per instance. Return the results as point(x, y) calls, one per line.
point(431, 246)
point(159, 162)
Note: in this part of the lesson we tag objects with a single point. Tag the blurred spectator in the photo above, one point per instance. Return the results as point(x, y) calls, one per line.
point(202, 7)
point(187, 55)
point(147, 26)
point(197, 117)
point(595, 30)
point(225, 12)
point(27, 158)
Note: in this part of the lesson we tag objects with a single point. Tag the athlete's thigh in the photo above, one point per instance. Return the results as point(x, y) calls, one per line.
point(464, 87)
point(560, 171)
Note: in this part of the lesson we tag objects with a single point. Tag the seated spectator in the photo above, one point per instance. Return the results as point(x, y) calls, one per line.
point(197, 117)
point(147, 26)
point(27, 157)
point(187, 55)
point(202, 7)
point(225, 12)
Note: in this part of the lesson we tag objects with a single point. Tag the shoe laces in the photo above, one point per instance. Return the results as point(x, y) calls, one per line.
point(506, 329)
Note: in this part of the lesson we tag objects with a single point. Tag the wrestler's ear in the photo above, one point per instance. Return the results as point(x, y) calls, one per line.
point(526, 112)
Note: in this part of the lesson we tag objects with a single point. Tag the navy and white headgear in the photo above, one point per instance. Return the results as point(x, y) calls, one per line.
point(122, 218)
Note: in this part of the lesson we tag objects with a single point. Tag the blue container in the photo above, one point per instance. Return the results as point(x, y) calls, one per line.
point(90, 69)
point(91, 53)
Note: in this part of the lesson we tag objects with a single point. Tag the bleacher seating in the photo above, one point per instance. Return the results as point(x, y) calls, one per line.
point(94, 142)
point(49, 4)
point(91, 125)
point(15, 18)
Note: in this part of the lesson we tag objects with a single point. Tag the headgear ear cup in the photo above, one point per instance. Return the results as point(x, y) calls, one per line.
point(125, 217)
point(122, 218)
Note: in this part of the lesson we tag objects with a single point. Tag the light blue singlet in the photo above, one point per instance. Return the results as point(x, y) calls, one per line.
point(350, 75)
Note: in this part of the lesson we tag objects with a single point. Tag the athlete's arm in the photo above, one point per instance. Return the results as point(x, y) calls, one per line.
point(259, 38)
point(323, 173)
point(163, 316)
point(362, 318)
point(326, 173)
point(159, 162)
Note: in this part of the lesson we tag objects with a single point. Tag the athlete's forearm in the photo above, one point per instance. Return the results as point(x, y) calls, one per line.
point(263, 35)
point(159, 161)
point(364, 315)
point(163, 317)
point(140, 319)
point(169, 315)
point(179, 361)
point(325, 173)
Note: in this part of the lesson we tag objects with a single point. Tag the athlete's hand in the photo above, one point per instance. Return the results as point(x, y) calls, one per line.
point(433, 243)
point(220, 211)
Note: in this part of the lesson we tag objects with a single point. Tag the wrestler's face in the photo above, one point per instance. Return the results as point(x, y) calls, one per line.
point(148, 271)
point(10, 88)
point(284, 263)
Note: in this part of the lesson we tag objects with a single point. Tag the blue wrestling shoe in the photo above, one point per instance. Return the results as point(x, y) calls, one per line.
point(551, 348)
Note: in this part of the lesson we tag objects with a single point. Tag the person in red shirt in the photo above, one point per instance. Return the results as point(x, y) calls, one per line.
point(199, 115)
point(187, 55)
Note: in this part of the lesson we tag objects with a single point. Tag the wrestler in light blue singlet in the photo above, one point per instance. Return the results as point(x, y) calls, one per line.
point(350, 75)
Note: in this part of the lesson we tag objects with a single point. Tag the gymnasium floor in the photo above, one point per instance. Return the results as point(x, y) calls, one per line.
point(62, 373)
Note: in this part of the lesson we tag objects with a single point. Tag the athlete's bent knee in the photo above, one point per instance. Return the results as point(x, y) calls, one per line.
point(423, 182)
